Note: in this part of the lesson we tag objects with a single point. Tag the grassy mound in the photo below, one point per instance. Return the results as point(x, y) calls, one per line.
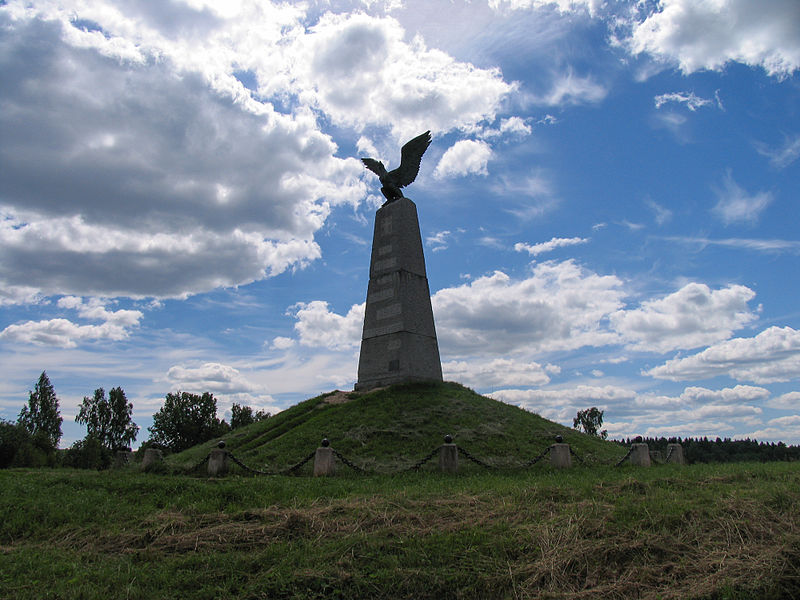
point(392, 428)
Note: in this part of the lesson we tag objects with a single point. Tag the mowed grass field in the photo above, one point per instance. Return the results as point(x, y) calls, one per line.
point(702, 531)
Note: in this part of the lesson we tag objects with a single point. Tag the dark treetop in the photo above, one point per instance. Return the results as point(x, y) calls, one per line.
point(410, 157)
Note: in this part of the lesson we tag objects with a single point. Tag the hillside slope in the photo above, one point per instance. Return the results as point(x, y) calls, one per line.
point(391, 428)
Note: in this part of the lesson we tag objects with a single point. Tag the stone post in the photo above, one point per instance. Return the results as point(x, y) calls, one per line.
point(675, 454)
point(323, 460)
point(398, 342)
point(151, 457)
point(560, 457)
point(218, 463)
point(640, 455)
point(122, 458)
point(448, 458)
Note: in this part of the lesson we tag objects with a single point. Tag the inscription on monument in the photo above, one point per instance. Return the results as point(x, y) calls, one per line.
point(381, 295)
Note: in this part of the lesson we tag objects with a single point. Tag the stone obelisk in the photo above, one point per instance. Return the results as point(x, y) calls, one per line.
point(398, 344)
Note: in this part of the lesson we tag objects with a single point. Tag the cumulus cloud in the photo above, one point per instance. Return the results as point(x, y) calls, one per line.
point(497, 372)
point(211, 377)
point(559, 306)
point(771, 356)
point(693, 316)
point(735, 205)
point(707, 35)
point(116, 325)
point(133, 181)
point(144, 166)
point(360, 70)
point(788, 401)
point(542, 247)
point(319, 327)
point(465, 157)
point(563, 6)
point(561, 404)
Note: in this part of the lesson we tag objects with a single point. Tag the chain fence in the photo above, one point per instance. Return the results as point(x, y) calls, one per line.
point(466, 454)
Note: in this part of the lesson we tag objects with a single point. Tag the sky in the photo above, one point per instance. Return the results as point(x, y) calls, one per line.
point(609, 206)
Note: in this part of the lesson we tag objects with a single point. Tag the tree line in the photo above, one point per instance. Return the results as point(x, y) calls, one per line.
point(183, 421)
point(695, 450)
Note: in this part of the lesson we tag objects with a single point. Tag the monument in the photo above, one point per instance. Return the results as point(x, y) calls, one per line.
point(398, 343)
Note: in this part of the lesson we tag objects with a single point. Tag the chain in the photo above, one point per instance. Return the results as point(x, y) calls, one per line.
point(533, 461)
point(200, 464)
point(624, 458)
point(348, 463)
point(293, 469)
point(578, 458)
point(477, 461)
point(421, 462)
point(246, 468)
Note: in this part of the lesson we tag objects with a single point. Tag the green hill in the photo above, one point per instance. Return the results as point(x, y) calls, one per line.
point(392, 428)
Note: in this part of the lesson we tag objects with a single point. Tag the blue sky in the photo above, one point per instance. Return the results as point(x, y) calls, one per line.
point(609, 206)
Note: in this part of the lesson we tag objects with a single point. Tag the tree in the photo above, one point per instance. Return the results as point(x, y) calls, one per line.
point(244, 415)
point(108, 420)
point(41, 417)
point(590, 420)
point(186, 420)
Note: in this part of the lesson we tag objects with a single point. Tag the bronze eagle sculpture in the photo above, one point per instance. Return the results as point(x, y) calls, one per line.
point(410, 157)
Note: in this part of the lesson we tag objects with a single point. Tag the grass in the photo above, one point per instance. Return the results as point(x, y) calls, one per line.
point(703, 531)
point(390, 429)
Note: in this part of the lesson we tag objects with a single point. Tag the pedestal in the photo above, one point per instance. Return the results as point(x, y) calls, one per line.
point(323, 462)
point(448, 458)
point(675, 454)
point(560, 457)
point(640, 455)
point(217, 463)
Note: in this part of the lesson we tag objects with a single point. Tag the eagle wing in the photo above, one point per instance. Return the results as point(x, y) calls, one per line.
point(375, 166)
point(410, 157)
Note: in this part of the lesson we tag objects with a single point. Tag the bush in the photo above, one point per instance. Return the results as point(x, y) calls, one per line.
point(18, 448)
point(88, 453)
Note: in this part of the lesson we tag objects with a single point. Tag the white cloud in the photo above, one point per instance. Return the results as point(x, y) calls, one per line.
point(563, 6)
point(318, 327)
point(549, 246)
point(571, 89)
point(465, 157)
point(691, 101)
point(663, 214)
point(788, 401)
point(282, 343)
point(116, 325)
point(559, 306)
point(693, 316)
point(706, 35)
point(774, 246)
point(514, 125)
point(211, 377)
point(438, 240)
point(785, 155)
point(771, 356)
point(158, 173)
point(361, 71)
point(735, 205)
point(498, 372)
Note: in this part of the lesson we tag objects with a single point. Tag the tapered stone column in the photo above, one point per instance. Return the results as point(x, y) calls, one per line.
point(398, 344)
